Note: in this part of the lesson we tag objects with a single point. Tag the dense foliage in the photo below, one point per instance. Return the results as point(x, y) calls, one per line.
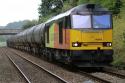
point(29, 24)
point(49, 8)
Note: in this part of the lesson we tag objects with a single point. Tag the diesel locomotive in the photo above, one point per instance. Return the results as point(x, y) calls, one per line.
point(81, 36)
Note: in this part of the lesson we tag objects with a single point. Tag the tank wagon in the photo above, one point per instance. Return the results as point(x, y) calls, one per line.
point(81, 36)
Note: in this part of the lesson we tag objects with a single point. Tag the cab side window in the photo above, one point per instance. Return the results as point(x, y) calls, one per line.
point(47, 31)
point(67, 22)
point(61, 23)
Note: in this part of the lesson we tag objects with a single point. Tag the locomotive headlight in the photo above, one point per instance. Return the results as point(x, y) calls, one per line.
point(107, 44)
point(76, 44)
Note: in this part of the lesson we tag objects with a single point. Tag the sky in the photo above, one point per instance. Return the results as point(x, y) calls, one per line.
point(18, 10)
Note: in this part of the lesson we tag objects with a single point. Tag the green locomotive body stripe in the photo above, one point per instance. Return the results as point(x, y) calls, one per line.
point(51, 37)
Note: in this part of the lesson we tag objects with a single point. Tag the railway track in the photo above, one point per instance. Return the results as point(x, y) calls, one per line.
point(58, 79)
point(27, 80)
point(8, 72)
point(81, 72)
point(100, 80)
point(88, 75)
point(105, 77)
point(113, 72)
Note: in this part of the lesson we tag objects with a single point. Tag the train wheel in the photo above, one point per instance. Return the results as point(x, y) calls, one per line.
point(50, 57)
point(56, 55)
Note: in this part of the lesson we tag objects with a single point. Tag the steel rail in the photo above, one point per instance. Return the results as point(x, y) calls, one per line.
point(113, 73)
point(58, 77)
point(80, 72)
point(28, 81)
point(93, 77)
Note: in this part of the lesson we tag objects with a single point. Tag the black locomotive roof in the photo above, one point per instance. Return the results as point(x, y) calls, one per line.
point(81, 10)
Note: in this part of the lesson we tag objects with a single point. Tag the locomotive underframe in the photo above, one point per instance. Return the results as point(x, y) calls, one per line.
point(83, 58)
point(80, 58)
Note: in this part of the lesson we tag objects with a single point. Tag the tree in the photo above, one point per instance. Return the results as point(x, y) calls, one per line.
point(113, 5)
point(50, 6)
point(117, 7)
point(29, 24)
point(73, 2)
point(83, 1)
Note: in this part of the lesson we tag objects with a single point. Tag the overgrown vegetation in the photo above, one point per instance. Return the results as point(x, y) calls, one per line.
point(50, 8)
point(29, 24)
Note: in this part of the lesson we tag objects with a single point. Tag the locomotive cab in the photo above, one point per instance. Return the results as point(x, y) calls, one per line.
point(88, 29)
point(91, 37)
point(82, 36)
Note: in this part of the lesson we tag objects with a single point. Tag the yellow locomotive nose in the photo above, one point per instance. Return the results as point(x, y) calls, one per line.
point(92, 36)
point(91, 40)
